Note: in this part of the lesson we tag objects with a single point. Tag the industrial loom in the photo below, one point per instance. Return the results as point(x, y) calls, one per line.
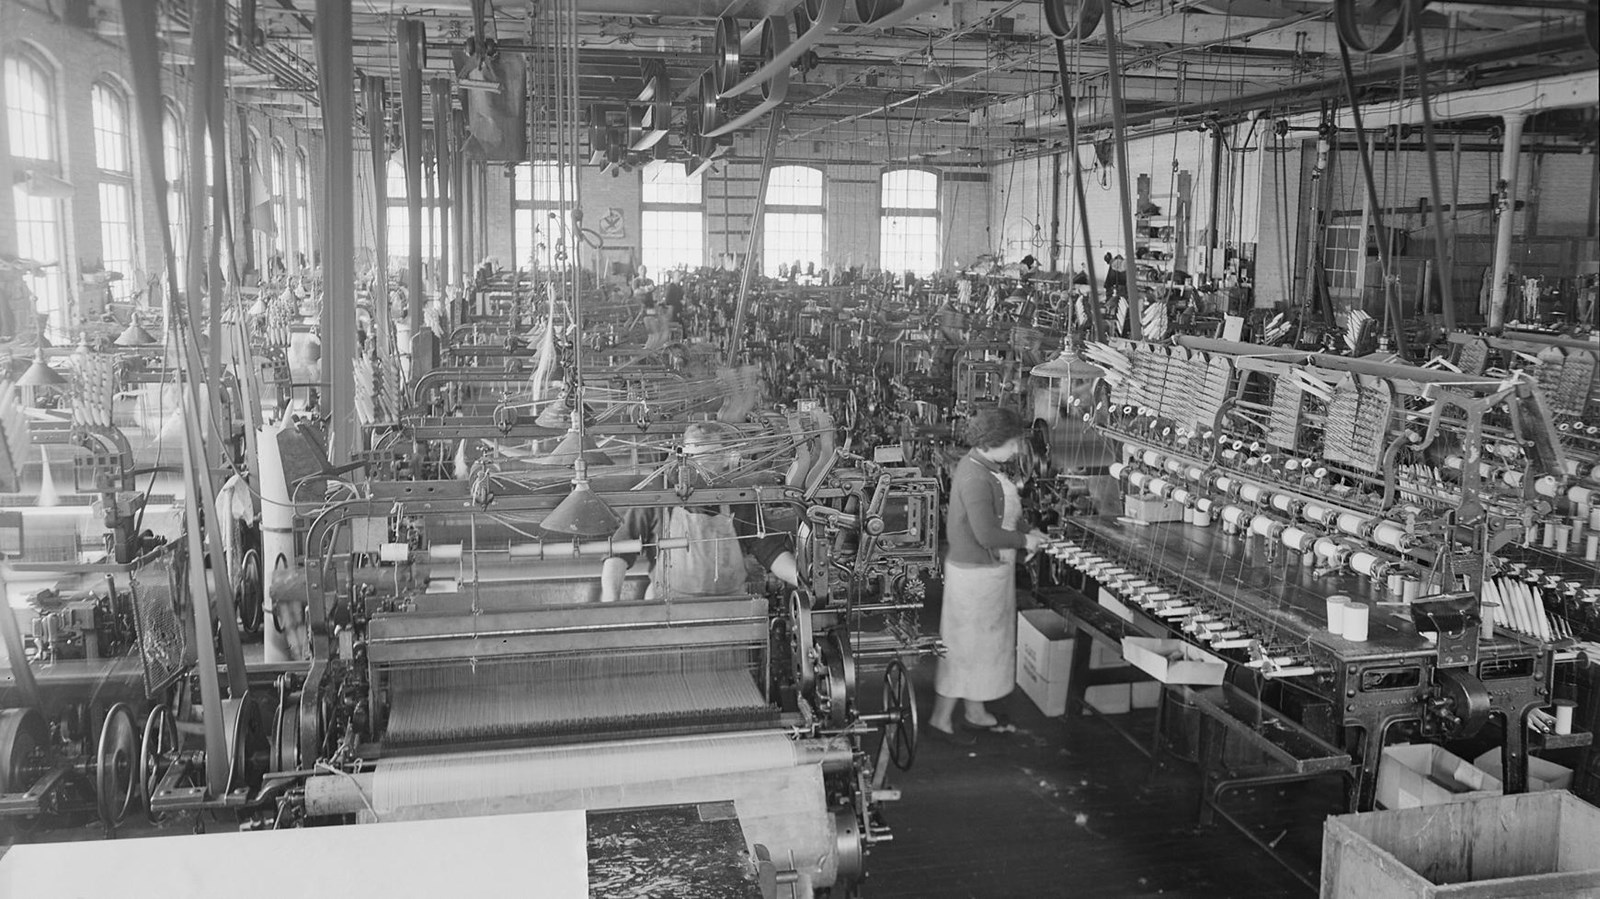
point(463, 664)
point(1259, 482)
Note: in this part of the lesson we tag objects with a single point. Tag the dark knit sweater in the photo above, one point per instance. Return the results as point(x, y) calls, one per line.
point(976, 504)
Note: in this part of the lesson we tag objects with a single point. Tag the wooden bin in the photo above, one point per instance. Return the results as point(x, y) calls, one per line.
point(1530, 844)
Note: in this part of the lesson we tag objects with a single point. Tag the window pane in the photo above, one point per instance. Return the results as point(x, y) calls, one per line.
point(172, 156)
point(280, 190)
point(39, 240)
point(400, 235)
point(396, 188)
point(910, 189)
point(30, 109)
point(302, 181)
point(672, 239)
point(791, 238)
point(116, 234)
point(537, 236)
point(794, 185)
point(110, 113)
point(909, 243)
point(669, 182)
point(536, 182)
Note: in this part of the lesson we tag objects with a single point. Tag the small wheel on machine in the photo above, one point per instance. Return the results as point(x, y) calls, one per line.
point(1073, 20)
point(116, 781)
point(249, 744)
point(1372, 26)
point(157, 749)
point(250, 593)
point(900, 709)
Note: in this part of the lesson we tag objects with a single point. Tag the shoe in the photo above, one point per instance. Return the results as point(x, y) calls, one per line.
point(1002, 726)
point(958, 738)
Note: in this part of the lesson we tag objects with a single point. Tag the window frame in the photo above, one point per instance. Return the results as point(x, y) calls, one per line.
point(52, 288)
point(814, 213)
point(526, 209)
point(889, 215)
point(111, 114)
point(302, 208)
point(656, 215)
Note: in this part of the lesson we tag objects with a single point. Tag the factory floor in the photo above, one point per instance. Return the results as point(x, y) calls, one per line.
point(1072, 809)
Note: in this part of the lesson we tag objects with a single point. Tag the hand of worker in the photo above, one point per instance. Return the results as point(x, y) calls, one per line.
point(1036, 540)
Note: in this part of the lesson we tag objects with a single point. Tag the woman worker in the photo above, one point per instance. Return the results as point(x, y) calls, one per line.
point(979, 621)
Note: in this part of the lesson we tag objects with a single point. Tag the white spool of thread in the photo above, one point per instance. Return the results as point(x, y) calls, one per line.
point(1152, 458)
point(1486, 627)
point(1262, 525)
point(1363, 563)
point(394, 552)
point(1413, 589)
point(1594, 519)
point(1336, 609)
point(1117, 468)
point(1390, 535)
point(445, 552)
point(1281, 502)
point(1579, 522)
point(1251, 493)
point(1202, 514)
point(1356, 622)
point(1396, 585)
point(1564, 708)
point(1591, 548)
point(1298, 540)
point(1563, 539)
point(1548, 540)
point(1351, 523)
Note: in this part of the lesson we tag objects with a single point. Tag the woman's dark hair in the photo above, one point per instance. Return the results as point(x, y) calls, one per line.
point(992, 426)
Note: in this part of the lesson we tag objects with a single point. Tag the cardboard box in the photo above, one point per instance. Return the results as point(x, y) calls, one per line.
point(1530, 844)
point(1174, 661)
point(1151, 508)
point(1421, 774)
point(1109, 699)
point(1542, 774)
point(1044, 659)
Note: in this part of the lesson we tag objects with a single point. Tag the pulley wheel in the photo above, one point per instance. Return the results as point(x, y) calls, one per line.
point(1371, 26)
point(900, 709)
point(157, 748)
point(286, 735)
point(116, 781)
point(800, 640)
point(832, 697)
point(23, 746)
point(248, 743)
point(249, 593)
point(1073, 20)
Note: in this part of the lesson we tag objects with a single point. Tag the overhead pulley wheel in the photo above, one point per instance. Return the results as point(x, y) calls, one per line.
point(116, 778)
point(1371, 26)
point(1073, 20)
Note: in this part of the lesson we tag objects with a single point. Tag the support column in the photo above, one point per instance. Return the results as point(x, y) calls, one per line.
point(336, 89)
point(1510, 159)
point(1124, 191)
point(410, 35)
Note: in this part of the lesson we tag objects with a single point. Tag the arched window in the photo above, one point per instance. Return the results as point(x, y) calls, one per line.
point(113, 156)
point(30, 100)
point(673, 226)
point(177, 170)
point(302, 206)
point(792, 230)
point(908, 223)
point(543, 193)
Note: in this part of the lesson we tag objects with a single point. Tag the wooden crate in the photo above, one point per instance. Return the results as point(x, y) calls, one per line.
point(1530, 844)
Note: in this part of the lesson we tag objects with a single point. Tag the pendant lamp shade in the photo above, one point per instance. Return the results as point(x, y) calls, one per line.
point(582, 514)
point(40, 374)
point(574, 445)
point(134, 335)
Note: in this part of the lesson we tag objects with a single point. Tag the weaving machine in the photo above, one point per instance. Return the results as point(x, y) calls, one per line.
point(463, 666)
point(1261, 482)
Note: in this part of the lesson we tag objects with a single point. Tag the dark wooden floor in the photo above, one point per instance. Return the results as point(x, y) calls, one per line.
point(1072, 809)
